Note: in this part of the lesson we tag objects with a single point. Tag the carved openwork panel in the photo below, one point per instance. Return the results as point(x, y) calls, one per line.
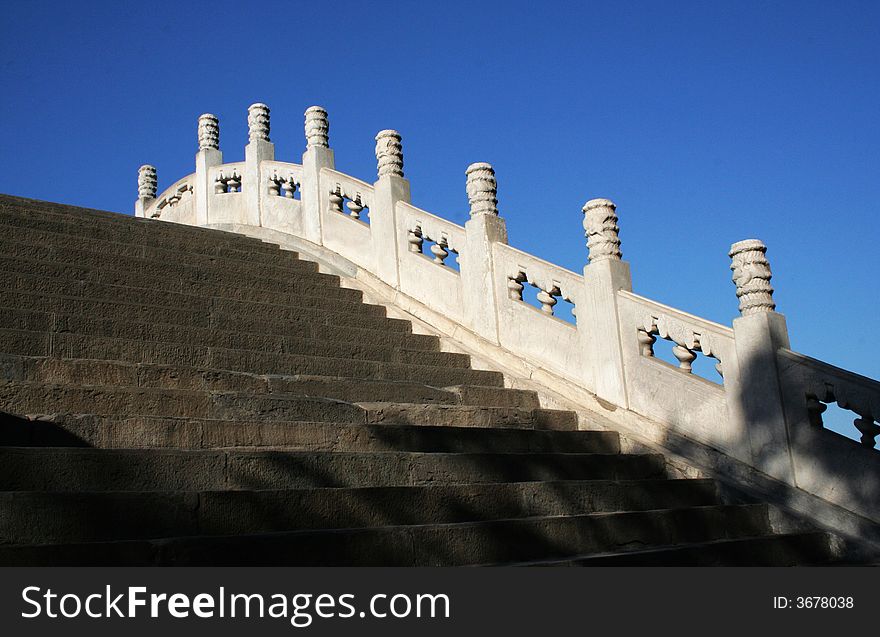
point(226, 178)
point(687, 340)
point(433, 237)
point(284, 185)
point(550, 290)
point(357, 203)
point(173, 196)
point(821, 390)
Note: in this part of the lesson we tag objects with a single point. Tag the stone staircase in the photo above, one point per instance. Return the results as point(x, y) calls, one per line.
point(176, 395)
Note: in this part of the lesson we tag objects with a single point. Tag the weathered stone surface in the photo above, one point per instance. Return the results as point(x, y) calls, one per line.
point(428, 545)
point(172, 394)
point(776, 550)
point(52, 517)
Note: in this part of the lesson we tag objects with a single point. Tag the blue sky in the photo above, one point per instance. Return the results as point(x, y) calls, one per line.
point(707, 123)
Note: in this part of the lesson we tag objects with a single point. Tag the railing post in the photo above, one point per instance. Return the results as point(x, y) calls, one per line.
point(318, 155)
point(259, 148)
point(597, 321)
point(147, 184)
point(208, 156)
point(755, 398)
point(390, 188)
point(483, 229)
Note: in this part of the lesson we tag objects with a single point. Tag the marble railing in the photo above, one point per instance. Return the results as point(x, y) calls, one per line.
point(176, 200)
point(760, 407)
point(532, 331)
point(429, 250)
point(669, 391)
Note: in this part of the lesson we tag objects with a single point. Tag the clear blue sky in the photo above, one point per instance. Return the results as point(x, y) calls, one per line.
point(706, 122)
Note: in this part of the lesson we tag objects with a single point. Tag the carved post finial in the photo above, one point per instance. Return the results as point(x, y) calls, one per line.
point(482, 189)
point(600, 227)
point(389, 153)
point(317, 127)
point(147, 182)
point(209, 132)
point(258, 122)
point(751, 274)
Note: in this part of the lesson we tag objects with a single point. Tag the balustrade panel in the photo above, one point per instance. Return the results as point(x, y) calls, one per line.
point(532, 332)
point(669, 392)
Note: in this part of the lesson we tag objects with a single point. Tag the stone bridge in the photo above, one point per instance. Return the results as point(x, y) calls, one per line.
point(757, 425)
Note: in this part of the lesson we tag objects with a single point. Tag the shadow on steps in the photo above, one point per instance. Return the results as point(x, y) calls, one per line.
point(17, 431)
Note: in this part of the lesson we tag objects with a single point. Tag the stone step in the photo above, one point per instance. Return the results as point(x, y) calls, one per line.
point(276, 325)
point(36, 399)
point(196, 354)
point(490, 396)
point(129, 242)
point(76, 469)
point(332, 343)
point(217, 279)
point(456, 544)
point(61, 371)
point(43, 518)
point(132, 233)
point(792, 549)
point(287, 335)
point(168, 259)
point(147, 432)
point(222, 314)
point(227, 314)
point(25, 398)
point(439, 368)
point(11, 206)
point(468, 416)
point(265, 303)
point(133, 226)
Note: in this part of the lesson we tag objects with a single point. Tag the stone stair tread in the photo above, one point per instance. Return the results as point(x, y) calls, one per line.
point(221, 310)
point(200, 311)
point(315, 343)
point(89, 373)
point(120, 242)
point(39, 393)
point(60, 322)
point(60, 516)
point(708, 553)
point(18, 283)
point(208, 280)
point(115, 373)
point(27, 398)
point(146, 432)
point(86, 469)
point(13, 214)
point(39, 345)
point(128, 227)
point(127, 261)
point(14, 206)
point(460, 543)
point(80, 337)
point(414, 413)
